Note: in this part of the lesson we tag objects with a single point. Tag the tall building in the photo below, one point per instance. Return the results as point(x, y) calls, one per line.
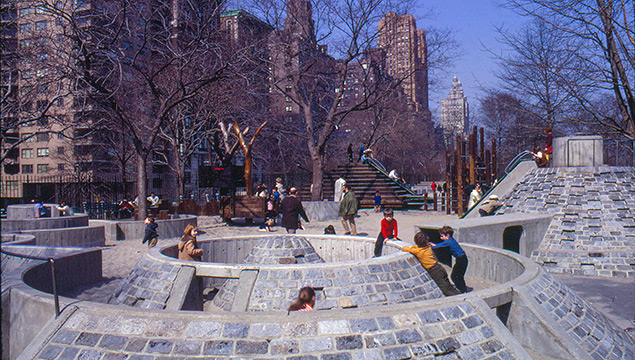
point(455, 111)
point(405, 49)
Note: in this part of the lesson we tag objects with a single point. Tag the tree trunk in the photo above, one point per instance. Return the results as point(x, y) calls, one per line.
point(179, 171)
point(318, 175)
point(249, 181)
point(142, 182)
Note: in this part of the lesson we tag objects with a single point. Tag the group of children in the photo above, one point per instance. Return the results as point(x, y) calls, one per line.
point(423, 251)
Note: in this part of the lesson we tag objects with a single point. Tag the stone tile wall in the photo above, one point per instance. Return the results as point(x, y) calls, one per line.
point(593, 226)
point(391, 280)
point(450, 332)
point(147, 286)
point(585, 325)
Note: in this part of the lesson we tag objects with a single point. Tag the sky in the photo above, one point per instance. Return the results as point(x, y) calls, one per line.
point(473, 23)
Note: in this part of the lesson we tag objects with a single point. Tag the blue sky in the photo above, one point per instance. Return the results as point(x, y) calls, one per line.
point(473, 22)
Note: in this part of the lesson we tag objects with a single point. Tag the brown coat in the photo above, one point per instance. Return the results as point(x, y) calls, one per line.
point(188, 249)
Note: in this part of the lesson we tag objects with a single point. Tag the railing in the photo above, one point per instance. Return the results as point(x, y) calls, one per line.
point(508, 169)
point(51, 261)
point(379, 167)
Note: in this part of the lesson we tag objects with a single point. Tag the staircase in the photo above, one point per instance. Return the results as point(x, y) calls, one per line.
point(365, 180)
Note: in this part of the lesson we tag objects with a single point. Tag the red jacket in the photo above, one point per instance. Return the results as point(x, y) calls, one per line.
point(389, 230)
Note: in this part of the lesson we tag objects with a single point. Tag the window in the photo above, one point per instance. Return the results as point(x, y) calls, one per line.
point(60, 167)
point(26, 28)
point(42, 136)
point(42, 168)
point(27, 153)
point(27, 169)
point(289, 108)
point(60, 150)
point(27, 137)
point(42, 152)
point(287, 99)
point(41, 25)
point(59, 102)
point(11, 185)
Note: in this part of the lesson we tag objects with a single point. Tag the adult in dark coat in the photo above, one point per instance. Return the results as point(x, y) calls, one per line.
point(291, 207)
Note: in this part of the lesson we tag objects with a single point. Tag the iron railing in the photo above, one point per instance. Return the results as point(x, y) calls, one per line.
point(51, 261)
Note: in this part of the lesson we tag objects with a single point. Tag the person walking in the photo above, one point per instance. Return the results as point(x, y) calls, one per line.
point(291, 208)
point(151, 234)
point(348, 210)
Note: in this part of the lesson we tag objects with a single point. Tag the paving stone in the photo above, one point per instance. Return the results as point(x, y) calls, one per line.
point(187, 347)
point(112, 342)
point(283, 347)
point(333, 327)
point(363, 325)
point(235, 330)
point(136, 345)
point(159, 346)
point(69, 353)
point(65, 336)
point(87, 339)
point(348, 342)
point(218, 347)
point(316, 344)
point(265, 330)
point(407, 336)
point(397, 353)
point(50, 352)
point(90, 355)
point(203, 329)
point(338, 356)
point(252, 347)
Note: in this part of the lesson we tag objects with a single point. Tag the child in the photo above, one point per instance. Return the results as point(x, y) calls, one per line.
point(151, 235)
point(188, 247)
point(460, 262)
point(329, 230)
point(266, 226)
point(377, 199)
point(388, 231)
point(305, 301)
point(424, 253)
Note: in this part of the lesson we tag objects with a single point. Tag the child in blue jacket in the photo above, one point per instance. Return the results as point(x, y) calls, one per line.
point(460, 262)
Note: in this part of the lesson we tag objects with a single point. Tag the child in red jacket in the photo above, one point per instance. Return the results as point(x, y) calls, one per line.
point(388, 231)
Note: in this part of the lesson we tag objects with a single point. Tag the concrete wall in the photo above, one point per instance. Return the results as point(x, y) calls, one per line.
point(489, 230)
point(130, 229)
point(578, 151)
point(44, 223)
point(86, 236)
point(25, 311)
point(18, 239)
point(321, 210)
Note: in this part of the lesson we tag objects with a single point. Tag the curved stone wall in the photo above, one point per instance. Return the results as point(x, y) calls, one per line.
point(554, 324)
point(593, 227)
point(44, 223)
point(130, 229)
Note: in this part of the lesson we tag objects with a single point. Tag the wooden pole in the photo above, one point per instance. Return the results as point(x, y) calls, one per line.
point(494, 160)
point(459, 174)
point(482, 159)
point(488, 168)
point(472, 157)
point(448, 182)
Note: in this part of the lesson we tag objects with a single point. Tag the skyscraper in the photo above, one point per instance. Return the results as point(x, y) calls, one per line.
point(405, 49)
point(455, 110)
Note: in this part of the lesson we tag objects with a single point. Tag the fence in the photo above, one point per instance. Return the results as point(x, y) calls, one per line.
point(70, 188)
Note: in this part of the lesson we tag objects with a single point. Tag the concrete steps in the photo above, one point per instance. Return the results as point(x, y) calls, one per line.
point(365, 181)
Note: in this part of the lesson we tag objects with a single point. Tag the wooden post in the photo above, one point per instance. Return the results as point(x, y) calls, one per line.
point(472, 157)
point(434, 197)
point(488, 168)
point(459, 174)
point(448, 182)
point(494, 161)
point(482, 158)
point(425, 201)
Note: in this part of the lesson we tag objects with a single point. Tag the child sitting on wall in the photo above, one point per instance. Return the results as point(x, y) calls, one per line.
point(424, 253)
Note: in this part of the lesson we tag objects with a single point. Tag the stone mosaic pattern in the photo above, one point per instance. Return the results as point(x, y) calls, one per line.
point(396, 280)
point(148, 285)
point(283, 249)
point(593, 227)
point(451, 332)
point(585, 325)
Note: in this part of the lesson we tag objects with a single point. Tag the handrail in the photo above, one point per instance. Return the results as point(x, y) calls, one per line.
point(51, 261)
point(379, 167)
point(508, 169)
point(515, 161)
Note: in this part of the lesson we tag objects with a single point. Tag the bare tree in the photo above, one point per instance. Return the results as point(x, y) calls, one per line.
point(604, 34)
point(140, 61)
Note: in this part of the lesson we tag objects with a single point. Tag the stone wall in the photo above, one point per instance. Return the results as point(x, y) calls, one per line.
point(593, 227)
point(44, 223)
point(130, 229)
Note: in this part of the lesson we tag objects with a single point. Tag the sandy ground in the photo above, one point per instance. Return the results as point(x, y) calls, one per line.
point(613, 297)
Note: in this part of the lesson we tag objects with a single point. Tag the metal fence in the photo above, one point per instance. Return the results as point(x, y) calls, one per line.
point(70, 188)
